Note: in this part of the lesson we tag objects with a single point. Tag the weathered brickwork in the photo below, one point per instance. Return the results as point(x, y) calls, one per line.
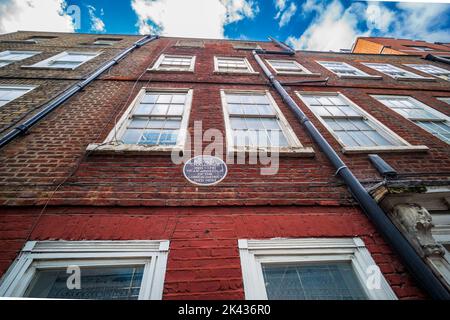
point(204, 258)
point(96, 196)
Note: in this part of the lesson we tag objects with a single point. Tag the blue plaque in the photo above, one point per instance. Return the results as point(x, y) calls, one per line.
point(205, 170)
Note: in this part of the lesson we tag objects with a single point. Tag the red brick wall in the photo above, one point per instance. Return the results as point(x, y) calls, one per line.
point(204, 257)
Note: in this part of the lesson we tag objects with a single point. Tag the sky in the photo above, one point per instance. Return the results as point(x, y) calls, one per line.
point(303, 24)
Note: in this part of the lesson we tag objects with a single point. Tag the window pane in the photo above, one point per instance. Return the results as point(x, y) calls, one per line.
point(169, 137)
point(131, 136)
point(312, 282)
point(100, 283)
point(150, 137)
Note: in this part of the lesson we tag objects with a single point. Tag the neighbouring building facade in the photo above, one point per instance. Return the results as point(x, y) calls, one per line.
point(93, 188)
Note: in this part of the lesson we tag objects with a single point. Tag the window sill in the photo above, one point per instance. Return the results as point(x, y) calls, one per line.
point(131, 149)
point(358, 150)
point(368, 77)
point(170, 71)
point(415, 79)
point(48, 68)
point(235, 73)
point(299, 74)
point(299, 152)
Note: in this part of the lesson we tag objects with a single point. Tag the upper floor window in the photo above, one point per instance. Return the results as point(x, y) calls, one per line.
point(427, 118)
point(421, 48)
point(40, 39)
point(433, 70)
point(108, 270)
point(310, 269)
point(232, 65)
point(253, 120)
point(175, 63)
point(287, 67)
point(8, 93)
point(354, 128)
point(8, 57)
point(190, 43)
point(157, 118)
point(343, 69)
point(395, 72)
point(106, 41)
point(247, 46)
point(67, 60)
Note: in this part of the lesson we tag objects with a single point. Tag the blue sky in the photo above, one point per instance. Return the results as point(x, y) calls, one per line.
point(304, 24)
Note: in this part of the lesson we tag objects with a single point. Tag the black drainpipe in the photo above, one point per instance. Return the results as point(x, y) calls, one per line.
point(55, 103)
point(414, 263)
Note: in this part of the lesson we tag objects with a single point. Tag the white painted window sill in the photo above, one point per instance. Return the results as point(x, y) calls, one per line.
point(357, 150)
point(48, 68)
point(366, 77)
point(298, 152)
point(235, 73)
point(414, 79)
point(170, 71)
point(299, 74)
point(131, 149)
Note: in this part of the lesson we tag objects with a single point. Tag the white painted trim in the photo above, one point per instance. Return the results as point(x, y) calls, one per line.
point(410, 77)
point(301, 69)
point(157, 65)
point(444, 99)
point(360, 74)
point(45, 64)
point(16, 87)
point(111, 145)
point(56, 254)
point(294, 143)
point(442, 70)
point(388, 133)
point(250, 69)
point(254, 253)
point(439, 115)
point(7, 52)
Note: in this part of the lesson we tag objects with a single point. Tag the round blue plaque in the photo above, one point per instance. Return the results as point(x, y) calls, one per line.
point(205, 170)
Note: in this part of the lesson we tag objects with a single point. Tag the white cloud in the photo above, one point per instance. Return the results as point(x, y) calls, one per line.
point(97, 24)
point(280, 5)
point(335, 27)
point(287, 15)
point(34, 15)
point(379, 17)
point(193, 18)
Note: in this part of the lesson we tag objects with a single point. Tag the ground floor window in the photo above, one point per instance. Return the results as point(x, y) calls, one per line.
point(311, 269)
point(91, 270)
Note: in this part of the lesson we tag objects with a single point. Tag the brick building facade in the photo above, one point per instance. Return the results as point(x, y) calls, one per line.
point(70, 191)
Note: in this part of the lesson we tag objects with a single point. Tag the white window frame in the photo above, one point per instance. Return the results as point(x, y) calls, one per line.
point(411, 76)
point(58, 254)
point(246, 46)
point(255, 253)
point(183, 43)
point(112, 145)
point(360, 74)
point(106, 42)
point(416, 66)
point(28, 88)
point(8, 52)
point(301, 69)
point(250, 69)
point(295, 146)
point(45, 64)
point(406, 147)
point(444, 99)
point(439, 115)
point(157, 65)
